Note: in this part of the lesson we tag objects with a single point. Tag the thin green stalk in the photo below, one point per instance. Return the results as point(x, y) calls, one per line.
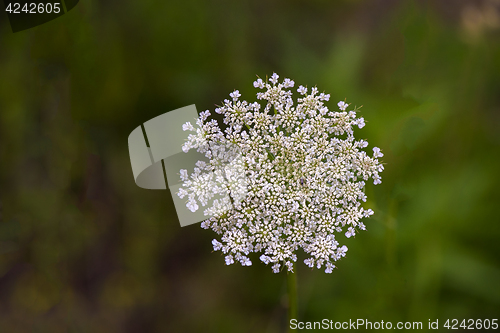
point(291, 279)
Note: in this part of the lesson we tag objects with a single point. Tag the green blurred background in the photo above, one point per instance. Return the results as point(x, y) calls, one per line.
point(83, 249)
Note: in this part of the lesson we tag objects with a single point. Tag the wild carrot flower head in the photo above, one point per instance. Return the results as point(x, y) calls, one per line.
point(284, 174)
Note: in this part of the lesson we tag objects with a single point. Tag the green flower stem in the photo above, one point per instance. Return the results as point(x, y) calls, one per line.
point(291, 279)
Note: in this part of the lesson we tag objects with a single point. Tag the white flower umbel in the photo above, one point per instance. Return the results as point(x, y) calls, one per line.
point(289, 175)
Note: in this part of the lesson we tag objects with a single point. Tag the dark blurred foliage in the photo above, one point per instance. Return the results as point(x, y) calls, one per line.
point(83, 249)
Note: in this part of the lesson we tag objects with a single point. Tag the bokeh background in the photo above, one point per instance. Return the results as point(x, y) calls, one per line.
point(83, 249)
